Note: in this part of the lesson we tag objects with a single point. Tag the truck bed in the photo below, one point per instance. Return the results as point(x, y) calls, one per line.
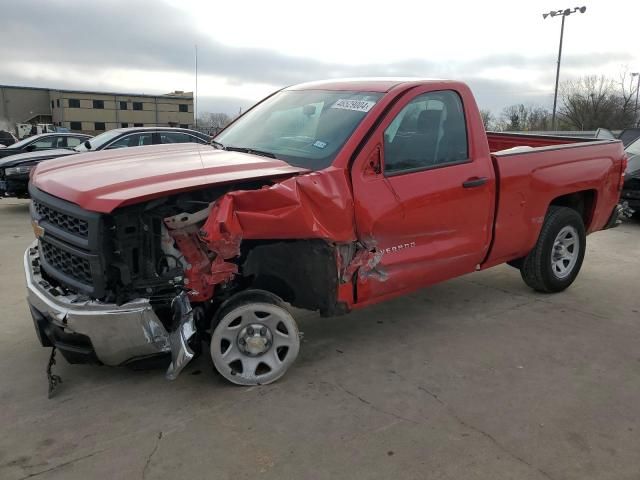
point(531, 179)
point(499, 141)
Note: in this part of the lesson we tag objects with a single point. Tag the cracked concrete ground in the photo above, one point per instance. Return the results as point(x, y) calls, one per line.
point(476, 378)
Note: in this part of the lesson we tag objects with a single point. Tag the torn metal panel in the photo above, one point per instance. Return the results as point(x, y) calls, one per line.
point(308, 206)
point(181, 353)
point(204, 269)
point(364, 261)
point(361, 258)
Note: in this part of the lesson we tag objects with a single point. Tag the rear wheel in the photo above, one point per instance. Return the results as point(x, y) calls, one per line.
point(256, 340)
point(555, 261)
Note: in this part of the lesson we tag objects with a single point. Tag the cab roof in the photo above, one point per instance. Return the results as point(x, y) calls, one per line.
point(368, 84)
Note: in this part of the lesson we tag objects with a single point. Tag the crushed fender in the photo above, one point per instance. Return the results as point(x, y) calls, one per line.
point(296, 208)
point(309, 206)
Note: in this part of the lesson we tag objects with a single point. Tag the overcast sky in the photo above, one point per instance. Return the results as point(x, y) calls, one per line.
point(247, 49)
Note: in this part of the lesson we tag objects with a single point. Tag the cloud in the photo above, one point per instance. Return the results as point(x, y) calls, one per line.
point(77, 40)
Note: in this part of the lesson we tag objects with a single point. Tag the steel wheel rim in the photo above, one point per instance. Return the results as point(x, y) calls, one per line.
point(255, 344)
point(566, 249)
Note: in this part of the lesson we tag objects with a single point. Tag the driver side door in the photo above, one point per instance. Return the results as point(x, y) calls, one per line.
point(428, 206)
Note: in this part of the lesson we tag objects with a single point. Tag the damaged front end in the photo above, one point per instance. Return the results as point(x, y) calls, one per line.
point(148, 279)
point(90, 331)
point(113, 289)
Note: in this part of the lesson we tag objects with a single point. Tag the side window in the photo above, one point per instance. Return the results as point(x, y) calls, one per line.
point(135, 140)
point(73, 141)
point(195, 139)
point(430, 131)
point(44, 143)
point(61, 142)
point(174, 137)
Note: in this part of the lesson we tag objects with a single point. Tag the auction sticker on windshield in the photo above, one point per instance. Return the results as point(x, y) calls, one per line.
point(357, 105)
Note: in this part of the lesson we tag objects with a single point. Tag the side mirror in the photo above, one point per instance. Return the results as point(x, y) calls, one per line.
point(30, 148)
point(87, 144)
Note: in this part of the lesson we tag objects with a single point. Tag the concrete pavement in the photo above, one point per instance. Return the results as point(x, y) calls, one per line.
point(476, 378)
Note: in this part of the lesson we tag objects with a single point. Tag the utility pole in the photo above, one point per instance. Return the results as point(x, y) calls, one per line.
point(563, 13)
point(635, 111)
point(195, 94)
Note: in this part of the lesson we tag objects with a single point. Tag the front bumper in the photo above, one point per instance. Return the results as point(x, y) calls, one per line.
point(14, 186)
point(86, 330)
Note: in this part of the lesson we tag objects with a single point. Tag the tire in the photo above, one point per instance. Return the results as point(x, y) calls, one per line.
point(556, 259)
point(255, 339)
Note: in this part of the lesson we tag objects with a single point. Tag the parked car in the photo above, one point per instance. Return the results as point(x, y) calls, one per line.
point(7, 139)
point(328, 196)
point(631, 187)
point(45, 141)
point(15, 170)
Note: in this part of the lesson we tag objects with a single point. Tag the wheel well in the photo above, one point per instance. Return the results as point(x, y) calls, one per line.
point(301, 272)
point(582, 202)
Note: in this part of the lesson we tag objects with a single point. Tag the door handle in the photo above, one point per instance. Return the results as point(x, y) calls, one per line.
point(475, 182)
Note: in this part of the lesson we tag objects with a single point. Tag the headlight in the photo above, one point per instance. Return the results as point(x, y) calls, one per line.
point(21, 170)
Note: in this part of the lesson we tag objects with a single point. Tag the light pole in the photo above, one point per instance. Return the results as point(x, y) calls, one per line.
point(635, 111)
point(563, 13)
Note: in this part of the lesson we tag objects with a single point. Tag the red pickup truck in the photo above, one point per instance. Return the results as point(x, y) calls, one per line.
point(326, 196)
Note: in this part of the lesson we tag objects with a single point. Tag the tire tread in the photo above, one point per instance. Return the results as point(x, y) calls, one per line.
point(533, 267)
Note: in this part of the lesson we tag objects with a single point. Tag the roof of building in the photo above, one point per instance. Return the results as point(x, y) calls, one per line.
point(175, 95)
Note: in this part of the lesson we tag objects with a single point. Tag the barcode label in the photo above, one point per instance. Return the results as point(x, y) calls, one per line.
point(357, 105)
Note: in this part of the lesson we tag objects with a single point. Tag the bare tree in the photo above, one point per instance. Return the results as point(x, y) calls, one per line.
point(487, 118)
point(213, 122)
point(521, 117)
point(597, 101)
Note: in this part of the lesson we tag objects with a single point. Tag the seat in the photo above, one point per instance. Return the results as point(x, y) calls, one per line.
point(453, 144)
point(420, 146)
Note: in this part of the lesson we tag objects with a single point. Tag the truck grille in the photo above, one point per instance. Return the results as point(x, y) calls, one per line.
point(72, 244)
point(67, 263)
point(61, 220)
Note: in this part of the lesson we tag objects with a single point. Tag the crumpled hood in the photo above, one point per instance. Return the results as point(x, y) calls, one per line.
point(34, 157)
point(103, 181)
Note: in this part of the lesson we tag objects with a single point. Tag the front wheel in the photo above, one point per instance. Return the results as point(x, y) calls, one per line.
point(555, 261)
point(256, 340)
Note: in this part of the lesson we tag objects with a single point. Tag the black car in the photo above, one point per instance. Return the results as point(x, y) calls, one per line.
point(7, 138)
point(631, 187)
point(44, 141)
point(15, 170)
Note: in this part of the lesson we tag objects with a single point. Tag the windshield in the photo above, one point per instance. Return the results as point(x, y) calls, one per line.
point(98, 141)
point(26, 141)
point(304, 128)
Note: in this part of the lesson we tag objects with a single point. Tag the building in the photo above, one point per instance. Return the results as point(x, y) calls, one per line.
point(93, 112)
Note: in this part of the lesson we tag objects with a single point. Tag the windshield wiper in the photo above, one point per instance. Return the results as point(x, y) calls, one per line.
point(251, 151)
point(217, 145)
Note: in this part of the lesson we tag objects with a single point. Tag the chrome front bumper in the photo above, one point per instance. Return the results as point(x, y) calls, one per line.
point(118, 333)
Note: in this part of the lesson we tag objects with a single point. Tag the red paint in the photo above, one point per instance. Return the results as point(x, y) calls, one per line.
point(103, 181)
point(316, 205)
point(502, 141)
point(202, 274)
point(412, 229)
